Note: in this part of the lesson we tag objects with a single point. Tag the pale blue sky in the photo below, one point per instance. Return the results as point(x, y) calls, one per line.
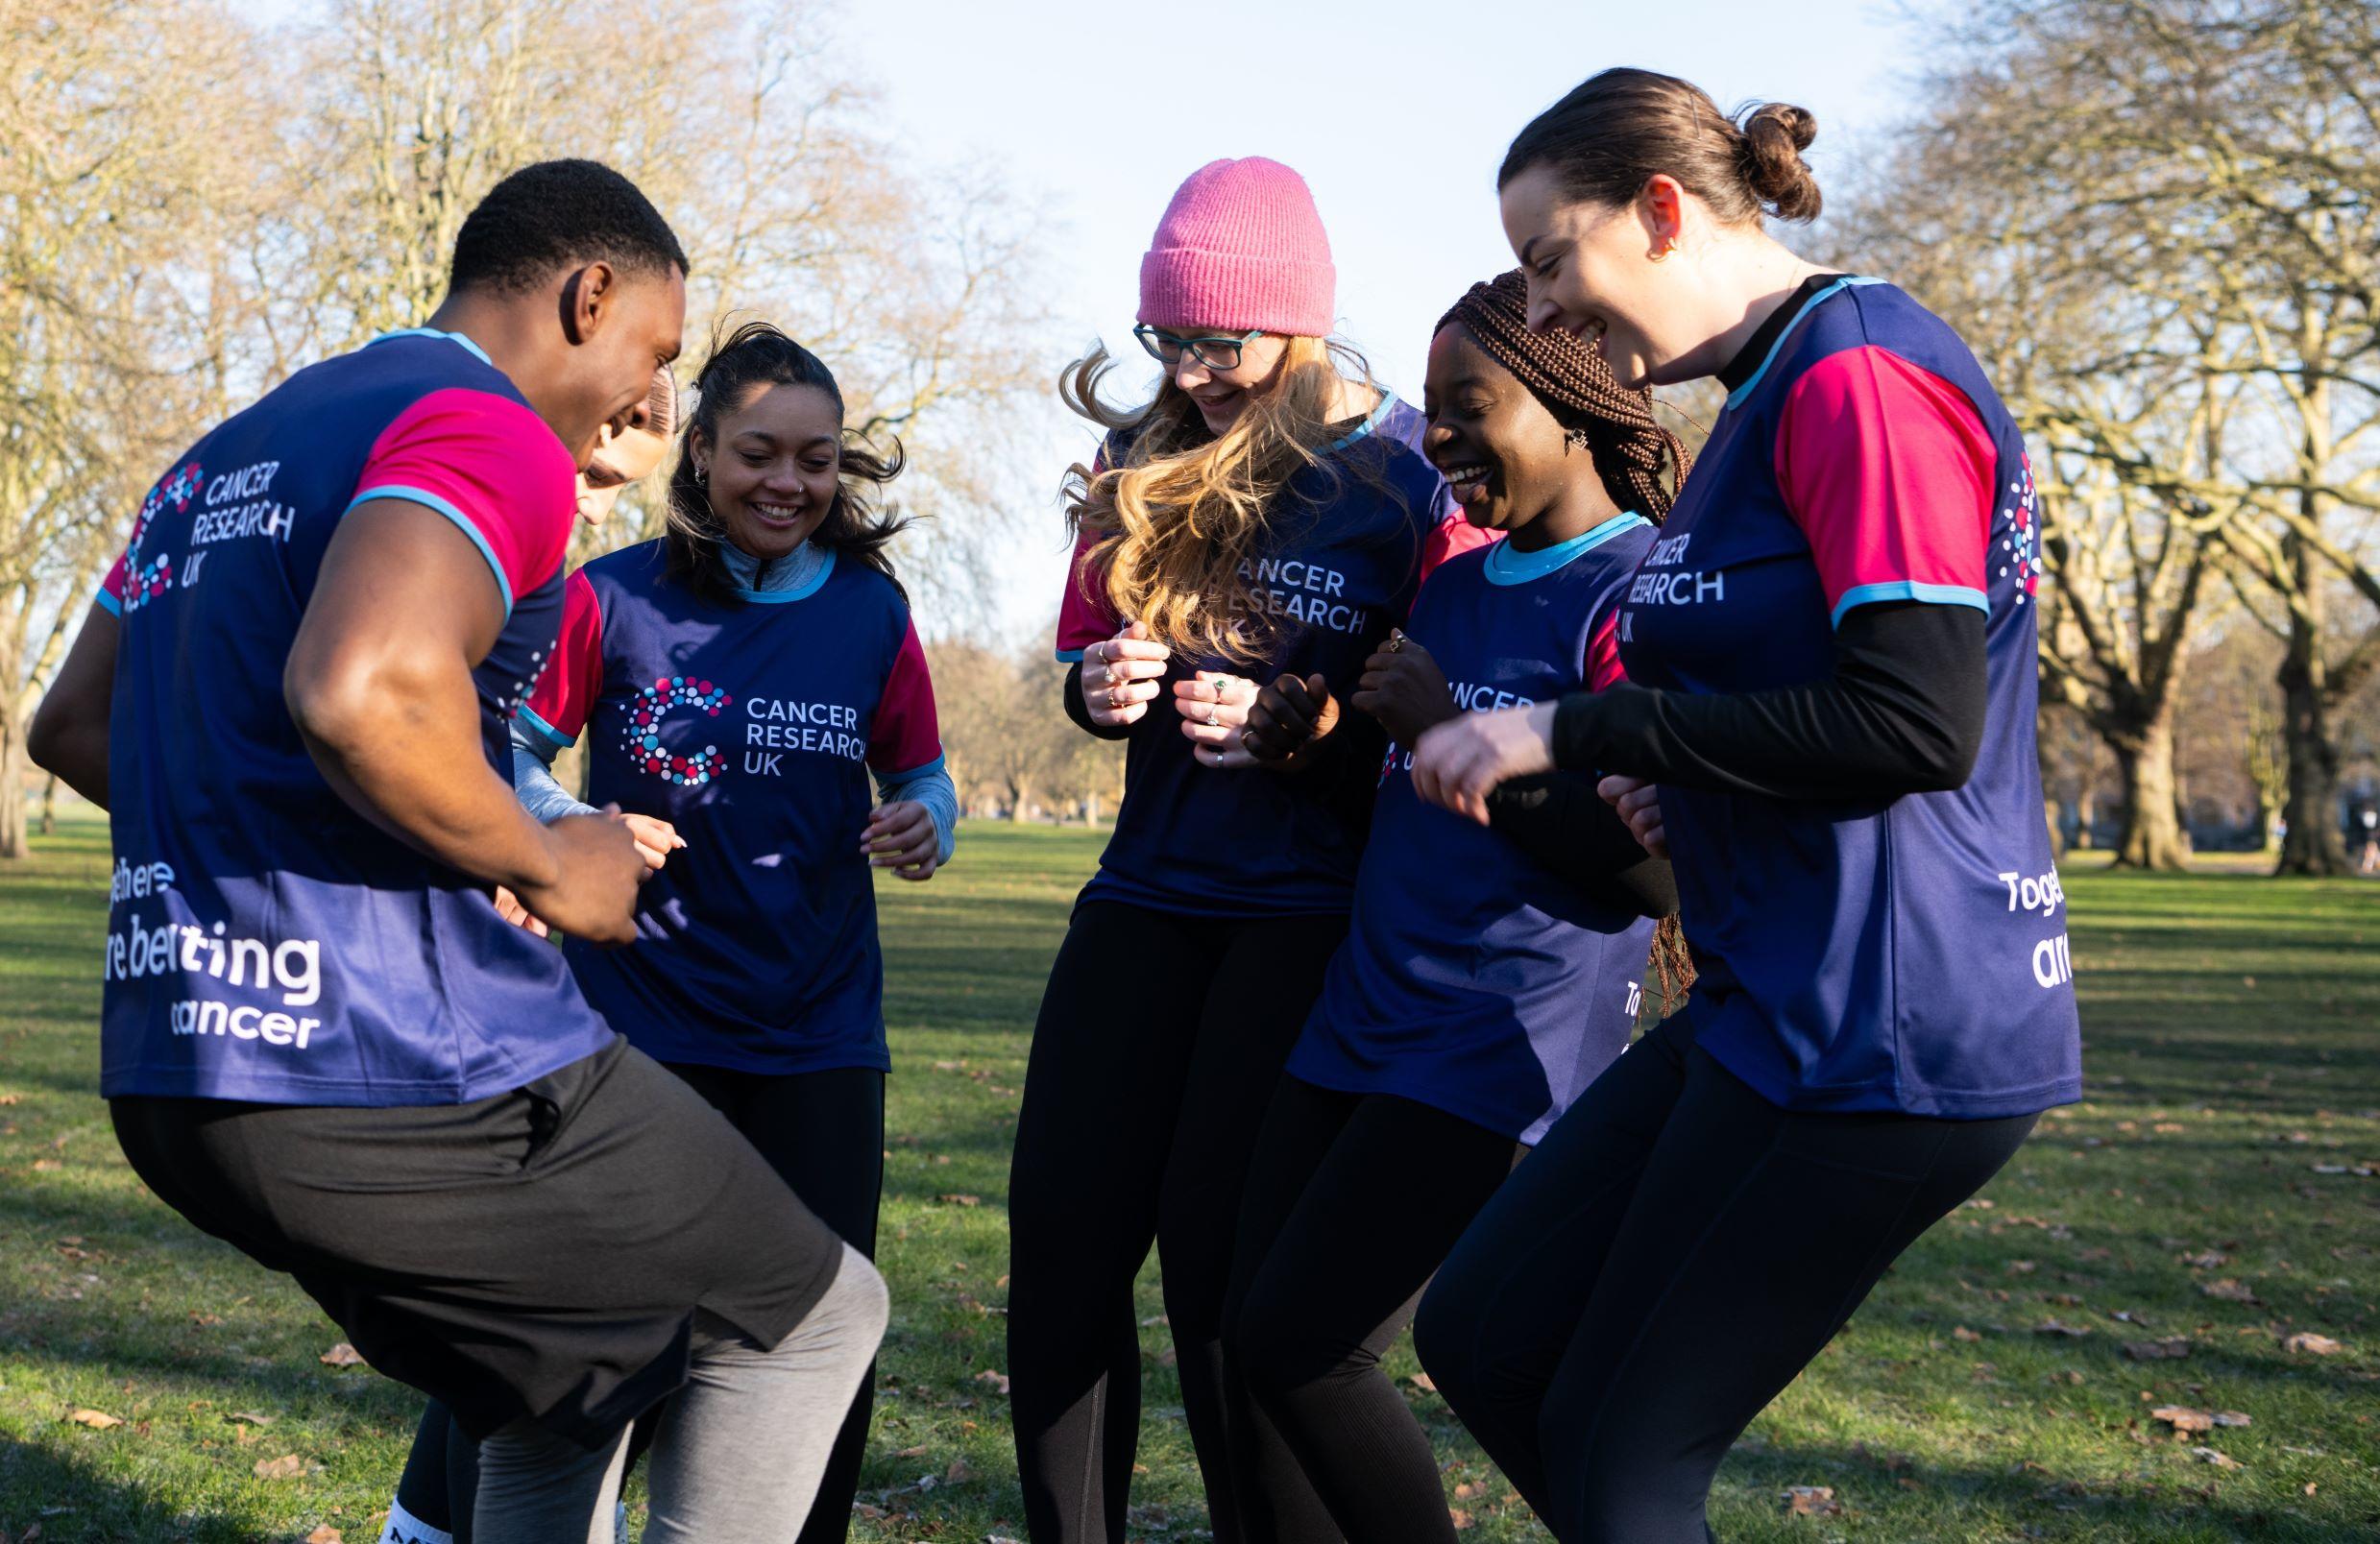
point(1395, 113)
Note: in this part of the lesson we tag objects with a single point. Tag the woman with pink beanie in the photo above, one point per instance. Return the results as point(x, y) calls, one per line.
point(1263, 520)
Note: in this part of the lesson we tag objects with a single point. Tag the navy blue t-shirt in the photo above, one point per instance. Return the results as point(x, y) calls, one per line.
point(1474, 979)
point(1901, 953)
point(750, 726)
point(1352, 544)
point(265, 941)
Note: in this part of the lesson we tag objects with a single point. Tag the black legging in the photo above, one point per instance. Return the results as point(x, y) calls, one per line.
point(824, 1135)
point(1672, 1254)
point(1352, 1200)
point(1159, 1042)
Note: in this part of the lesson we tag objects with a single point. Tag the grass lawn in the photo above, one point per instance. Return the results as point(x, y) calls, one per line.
point(2215, 1193)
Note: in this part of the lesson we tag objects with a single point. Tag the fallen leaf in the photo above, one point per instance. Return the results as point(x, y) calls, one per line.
point(2053, 1327)
point(1963, 1333)
point(1459, 1517)
point(2221, 1460)
point(2182, 1418)
point(326, 1534)
point(957, 1472)
point(2228, 1290)
point(2206, 1260)
point(342, 1354)
point(955, 1200)
point(2319, 1345)
point(2022, 1267)
point(861, 1509)
point(917, 1451)
point(288, 1467)
point(1422, 1381)
point(1469, 1490)
point(2172, 1349)
point(249, 1417)
point(2232, 1417)
point(998, 1381)
point(1811, 1501)
point(98, 1421)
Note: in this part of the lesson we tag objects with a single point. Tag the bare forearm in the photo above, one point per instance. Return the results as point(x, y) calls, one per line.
point(380, 730)
point(69, 731)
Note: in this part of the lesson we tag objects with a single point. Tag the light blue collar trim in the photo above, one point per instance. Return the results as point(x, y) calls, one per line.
point(1371, 422)
point(1735, 397)
point(802, 589)
point(1506, 564)
point(434, 333)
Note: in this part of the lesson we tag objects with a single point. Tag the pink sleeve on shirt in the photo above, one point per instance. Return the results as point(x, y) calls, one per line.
point(565, 696)
point(906, 734)
point(1083, 614)
point(1603, 666)
point(111, 596)
point(493, 468)
point(1451, 535)
point(1888, 470)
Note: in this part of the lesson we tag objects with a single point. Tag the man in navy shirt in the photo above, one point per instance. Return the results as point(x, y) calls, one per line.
point(321, 1041)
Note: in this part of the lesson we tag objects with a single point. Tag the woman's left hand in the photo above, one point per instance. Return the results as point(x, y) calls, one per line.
point(1459, 762)
point(1214, 710)
point(900, 837)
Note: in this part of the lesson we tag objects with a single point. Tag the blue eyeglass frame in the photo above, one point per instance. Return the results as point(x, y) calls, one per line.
point(1156, 343)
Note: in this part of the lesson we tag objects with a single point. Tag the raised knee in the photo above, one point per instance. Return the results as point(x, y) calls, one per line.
point(1445, 1339)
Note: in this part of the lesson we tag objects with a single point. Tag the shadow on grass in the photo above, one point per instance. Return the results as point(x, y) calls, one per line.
point(2180, 1504)
point(72, 1504)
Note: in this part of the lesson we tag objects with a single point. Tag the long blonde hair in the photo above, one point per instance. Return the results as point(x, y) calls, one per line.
point(1182, 514)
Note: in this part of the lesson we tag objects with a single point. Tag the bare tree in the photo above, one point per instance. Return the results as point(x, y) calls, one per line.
point(114, 303)
point(2159, 219)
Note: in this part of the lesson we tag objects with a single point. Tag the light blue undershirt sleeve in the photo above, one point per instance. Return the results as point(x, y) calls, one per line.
point(929, 785)
point(533, 782)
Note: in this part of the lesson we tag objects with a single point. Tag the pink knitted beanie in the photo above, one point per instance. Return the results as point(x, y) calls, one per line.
point(1240, 247)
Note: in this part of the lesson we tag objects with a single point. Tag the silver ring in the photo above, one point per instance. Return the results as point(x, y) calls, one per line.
point(1211, 718)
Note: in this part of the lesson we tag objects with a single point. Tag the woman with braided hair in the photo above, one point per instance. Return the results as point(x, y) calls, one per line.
point(1488, 976)
point(1829, 722)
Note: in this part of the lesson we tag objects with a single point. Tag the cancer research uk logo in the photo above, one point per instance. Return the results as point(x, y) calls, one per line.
point(145, 582)
point(640, 736)
point(2021, 548)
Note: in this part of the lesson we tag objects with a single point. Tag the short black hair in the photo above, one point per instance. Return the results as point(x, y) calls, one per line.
point(561, 214)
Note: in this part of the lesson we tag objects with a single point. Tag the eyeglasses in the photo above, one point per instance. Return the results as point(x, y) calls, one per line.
point(1215, 353)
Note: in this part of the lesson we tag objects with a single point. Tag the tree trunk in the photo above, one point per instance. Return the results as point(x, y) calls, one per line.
point(49, 805)
point(2314, 843)
point(2086, 812)
point(2153, 836)
point(15, 715)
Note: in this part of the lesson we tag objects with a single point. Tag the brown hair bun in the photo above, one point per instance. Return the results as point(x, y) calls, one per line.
point(1775, 133)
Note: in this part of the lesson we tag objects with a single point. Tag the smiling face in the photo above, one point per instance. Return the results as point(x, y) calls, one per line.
point(628, 324)
point(773, 468)
point(1222, 395)
point(1507, 459)
point(1598, 273)
point(630, 453)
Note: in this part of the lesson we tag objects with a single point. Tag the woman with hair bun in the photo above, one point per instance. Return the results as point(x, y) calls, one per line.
point(1828, 723)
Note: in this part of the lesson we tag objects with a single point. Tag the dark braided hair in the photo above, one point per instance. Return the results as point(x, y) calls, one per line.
point(1610, 422)
point(1616, 427)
